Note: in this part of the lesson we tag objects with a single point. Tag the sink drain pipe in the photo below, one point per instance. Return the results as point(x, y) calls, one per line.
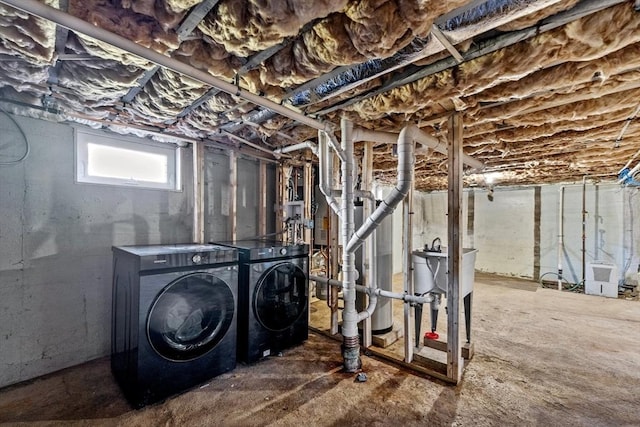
point(407, 298)
point(406, 159)
point(352, 239)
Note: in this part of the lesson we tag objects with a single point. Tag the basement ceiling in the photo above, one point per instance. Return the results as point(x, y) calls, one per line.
point(548, 91)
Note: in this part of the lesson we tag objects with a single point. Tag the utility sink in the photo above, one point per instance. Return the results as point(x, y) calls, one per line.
point(430, 271)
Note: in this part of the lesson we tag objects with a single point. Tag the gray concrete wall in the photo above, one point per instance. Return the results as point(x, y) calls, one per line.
point(633, 200)
point(604, 236)
point(55, 252)
point(504, 229)
point(55, 247)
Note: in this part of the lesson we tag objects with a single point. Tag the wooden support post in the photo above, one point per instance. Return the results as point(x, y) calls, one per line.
point(262, 209)
point(407, 273)
point(454, 234)
point(335, 254)
point(367, 185)
point(280, 194)
point(334, 257)
point(198, 192)
point(308, 195)
point(233, 195)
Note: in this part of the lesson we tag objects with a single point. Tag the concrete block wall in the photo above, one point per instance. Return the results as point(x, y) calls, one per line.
point(55, 252)
point(516, 232)
point(55, 246)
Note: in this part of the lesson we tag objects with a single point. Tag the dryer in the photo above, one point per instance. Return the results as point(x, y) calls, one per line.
point(273, 297)
point(174, 317)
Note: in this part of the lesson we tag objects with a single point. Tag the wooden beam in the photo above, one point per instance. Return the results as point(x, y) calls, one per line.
point(454, 234)
point(414, 72)
point(189, 23)
point(198, 192)
point(571, 98)
point(444, 41)
point(262, 202)
point(233, 196)
point(280, 199)
point(407, 276)
point(367, 184)
point(308, 195)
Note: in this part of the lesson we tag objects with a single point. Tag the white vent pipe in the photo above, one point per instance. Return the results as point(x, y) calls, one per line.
point(295, 147)
point(350, 346)
point(66, 20)
point(326, 172)
point(414, 299)
point(426, 140)
point(249, 143)
point(406, 159)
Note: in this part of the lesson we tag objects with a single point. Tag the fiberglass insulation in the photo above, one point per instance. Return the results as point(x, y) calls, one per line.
point(583, 40)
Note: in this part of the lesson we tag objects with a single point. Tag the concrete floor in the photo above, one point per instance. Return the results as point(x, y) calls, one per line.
point(542, 358)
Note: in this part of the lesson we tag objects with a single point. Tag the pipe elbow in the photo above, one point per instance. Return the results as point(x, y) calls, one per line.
point(368, 312)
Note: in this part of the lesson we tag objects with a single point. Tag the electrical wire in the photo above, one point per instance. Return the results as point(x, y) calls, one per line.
point(27, 149)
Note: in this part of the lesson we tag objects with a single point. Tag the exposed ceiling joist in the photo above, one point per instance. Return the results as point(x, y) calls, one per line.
point(350, 77)
point(204, 98)
point(556, 100)
point(185, 29)
point(413, 73)
point(446, 43)
point(194, 18)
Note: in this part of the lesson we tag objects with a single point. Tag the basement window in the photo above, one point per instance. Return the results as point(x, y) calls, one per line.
point(115, 160)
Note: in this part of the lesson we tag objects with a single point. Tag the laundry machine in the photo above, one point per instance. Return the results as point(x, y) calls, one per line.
point(174, 317)
point(273, 297)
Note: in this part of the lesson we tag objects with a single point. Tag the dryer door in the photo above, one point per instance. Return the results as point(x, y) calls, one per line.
point(280, 296)
point(190, 316)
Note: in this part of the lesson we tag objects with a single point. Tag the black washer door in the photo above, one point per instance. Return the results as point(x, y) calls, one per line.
point(190, 316)
point(280, 296)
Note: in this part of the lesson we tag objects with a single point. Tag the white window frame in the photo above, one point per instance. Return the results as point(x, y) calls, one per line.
point(83, 137)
